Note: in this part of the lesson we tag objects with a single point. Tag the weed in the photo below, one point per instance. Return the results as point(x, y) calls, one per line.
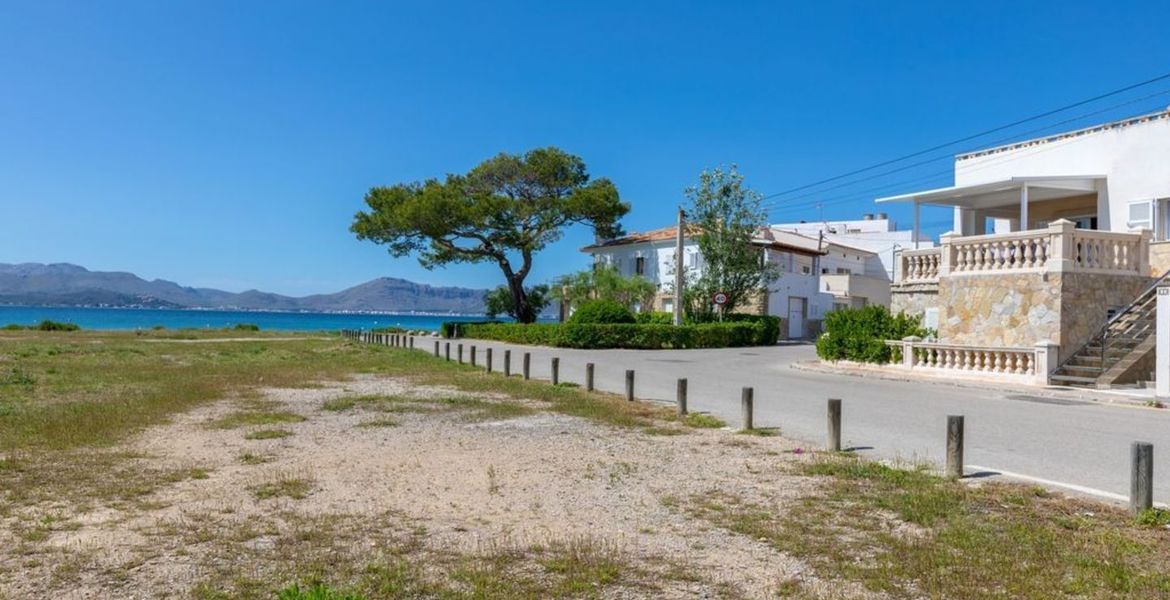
point(267, 434)
point(253, 418)
point(702, 421)
point(284, 487)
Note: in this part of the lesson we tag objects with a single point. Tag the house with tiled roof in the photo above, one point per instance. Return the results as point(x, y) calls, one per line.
point(800, 296)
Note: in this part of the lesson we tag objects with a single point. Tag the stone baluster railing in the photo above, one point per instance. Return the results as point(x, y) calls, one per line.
point(920, 266)
point(1020, 364)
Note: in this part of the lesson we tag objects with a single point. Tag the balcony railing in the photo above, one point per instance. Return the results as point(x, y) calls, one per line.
point(1059, 248)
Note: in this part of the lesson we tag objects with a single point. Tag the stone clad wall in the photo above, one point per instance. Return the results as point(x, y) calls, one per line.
point(1085, 302)
point(1023, 309)
point(913, 299)
point(999, 310)
point(1159, 258)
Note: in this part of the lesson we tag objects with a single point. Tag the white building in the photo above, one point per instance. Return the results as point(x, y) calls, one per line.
point(875, 233)
point(1057, 242)
point(806, 290)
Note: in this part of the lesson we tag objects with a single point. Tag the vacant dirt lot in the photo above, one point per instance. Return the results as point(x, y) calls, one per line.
point(375, 468)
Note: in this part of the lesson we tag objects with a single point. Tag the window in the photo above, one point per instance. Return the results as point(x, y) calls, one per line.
point(693, 260)
point(805, 269)
point(640, 265)
point(844, 271)
point(1140, 216)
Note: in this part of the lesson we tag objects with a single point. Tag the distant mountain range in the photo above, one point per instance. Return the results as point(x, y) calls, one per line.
point(63, 284)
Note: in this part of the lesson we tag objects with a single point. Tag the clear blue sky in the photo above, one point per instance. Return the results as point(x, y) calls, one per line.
point(228, 144)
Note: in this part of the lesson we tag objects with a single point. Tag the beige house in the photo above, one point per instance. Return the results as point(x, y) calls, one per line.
point(1048, 273)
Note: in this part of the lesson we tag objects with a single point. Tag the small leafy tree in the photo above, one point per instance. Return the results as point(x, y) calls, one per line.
point(603, 282)
point(503, 211)
point(499, 301)
point(727, 215)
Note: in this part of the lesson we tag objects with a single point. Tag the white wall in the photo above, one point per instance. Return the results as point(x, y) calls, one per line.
point(879, 236)
point(1134, 158)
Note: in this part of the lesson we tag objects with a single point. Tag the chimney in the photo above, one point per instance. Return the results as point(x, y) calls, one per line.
point(882, 216)
point(867, 217)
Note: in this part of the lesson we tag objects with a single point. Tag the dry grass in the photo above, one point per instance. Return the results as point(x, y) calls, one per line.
point(907, 533)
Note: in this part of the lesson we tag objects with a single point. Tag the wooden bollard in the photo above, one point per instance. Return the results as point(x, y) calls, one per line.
point(746, 400)
point(436, 348)
point(473, 356)
point(459, 352)
point(680, 396)
point(834, 441)
point(630, 385)
point(556, 370)
point(447, 350)
point(411, 342)
point(507, 363)
point(954, 446)
point(1141, 481)
point(487, 359)
point(526, 364)
point(588, 377)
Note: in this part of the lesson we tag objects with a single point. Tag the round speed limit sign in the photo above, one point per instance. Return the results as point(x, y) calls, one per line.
point(719, 298)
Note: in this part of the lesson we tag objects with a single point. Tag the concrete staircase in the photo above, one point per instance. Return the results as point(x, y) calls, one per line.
point(1121, 353)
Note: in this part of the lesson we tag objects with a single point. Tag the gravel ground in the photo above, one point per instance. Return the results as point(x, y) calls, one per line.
point(458, 484)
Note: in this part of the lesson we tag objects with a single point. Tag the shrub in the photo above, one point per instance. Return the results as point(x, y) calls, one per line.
point(14, 327)
point(622, 335)
point(48, 325)
point(453, 329)
point(860, 334)
point(770, 323)
point(246, 327)
point(602, 311)
point(654, 318)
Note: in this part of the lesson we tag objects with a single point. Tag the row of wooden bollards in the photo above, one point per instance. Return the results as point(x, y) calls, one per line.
point(1142, 454)
point(398, 340)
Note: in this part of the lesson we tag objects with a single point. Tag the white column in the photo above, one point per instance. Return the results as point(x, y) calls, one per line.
point(1162, 347)
point(917, 221)
point(1024, 207)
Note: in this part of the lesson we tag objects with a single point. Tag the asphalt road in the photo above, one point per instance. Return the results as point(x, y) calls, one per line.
point(1022, 434)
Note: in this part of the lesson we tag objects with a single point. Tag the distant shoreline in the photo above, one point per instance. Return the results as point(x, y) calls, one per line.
point(253, 310)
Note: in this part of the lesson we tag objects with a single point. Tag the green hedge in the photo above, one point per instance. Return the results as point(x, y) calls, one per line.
point(623, 335)
point(860, 334)
point(770, 324)
point(654, 318)
point(602, 311)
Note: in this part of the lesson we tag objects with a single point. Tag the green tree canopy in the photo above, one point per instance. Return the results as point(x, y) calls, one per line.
point(503, 211)
point(727, 215)
point(603, 282)
point(499, 301)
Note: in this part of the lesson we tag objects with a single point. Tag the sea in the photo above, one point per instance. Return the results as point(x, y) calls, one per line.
point(147, 318)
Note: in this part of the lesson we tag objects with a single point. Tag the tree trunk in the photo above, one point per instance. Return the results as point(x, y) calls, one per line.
point(523, 310)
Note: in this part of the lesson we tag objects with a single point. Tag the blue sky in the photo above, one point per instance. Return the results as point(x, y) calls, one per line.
point(228, 144)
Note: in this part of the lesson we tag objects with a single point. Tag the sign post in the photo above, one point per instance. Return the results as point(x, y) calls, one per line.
point(720, 298)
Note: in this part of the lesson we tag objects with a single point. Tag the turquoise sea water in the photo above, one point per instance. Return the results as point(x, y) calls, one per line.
point(139, 318)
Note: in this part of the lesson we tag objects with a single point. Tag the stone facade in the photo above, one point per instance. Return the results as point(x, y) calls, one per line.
point(913, 299)
point(1159, 258)
point(1021, 309)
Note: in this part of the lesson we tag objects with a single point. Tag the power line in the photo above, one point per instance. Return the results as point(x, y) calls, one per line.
point(972, 137)
point(787, 206)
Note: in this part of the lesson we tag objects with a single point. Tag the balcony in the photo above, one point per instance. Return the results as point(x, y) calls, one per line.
point(848, 286)
point(1060, 248)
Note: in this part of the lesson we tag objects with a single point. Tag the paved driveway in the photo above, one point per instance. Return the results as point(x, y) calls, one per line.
point(1063, 441)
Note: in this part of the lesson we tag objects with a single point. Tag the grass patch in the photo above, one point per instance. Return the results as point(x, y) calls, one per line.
point(760, 431)
point(908, 533)
point(267, 434)
point(255, 418)
point(702, 421)
point(286, 487)
point(252, 458)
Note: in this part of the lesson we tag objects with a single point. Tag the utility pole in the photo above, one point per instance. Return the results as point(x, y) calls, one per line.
point(678, 267)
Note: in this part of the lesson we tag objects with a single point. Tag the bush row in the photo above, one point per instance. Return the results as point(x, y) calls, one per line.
point(44, 326)
point(860, 334)
point(646, 336)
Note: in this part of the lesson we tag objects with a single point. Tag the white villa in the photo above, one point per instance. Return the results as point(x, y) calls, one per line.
point(1049, 271)
point(816, 275)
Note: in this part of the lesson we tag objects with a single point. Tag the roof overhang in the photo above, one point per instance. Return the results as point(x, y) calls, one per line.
point(998, 194)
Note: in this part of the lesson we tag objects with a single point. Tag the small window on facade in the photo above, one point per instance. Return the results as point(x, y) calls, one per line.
point(640, 265)
point(1139, 215)
point(805, 269)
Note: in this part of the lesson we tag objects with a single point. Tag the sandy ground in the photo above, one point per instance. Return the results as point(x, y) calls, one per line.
point(457, 486)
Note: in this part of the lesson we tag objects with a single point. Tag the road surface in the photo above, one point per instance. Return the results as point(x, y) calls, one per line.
point(1056, 441)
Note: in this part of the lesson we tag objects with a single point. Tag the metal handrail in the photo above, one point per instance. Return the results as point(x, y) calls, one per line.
point(1104, 330)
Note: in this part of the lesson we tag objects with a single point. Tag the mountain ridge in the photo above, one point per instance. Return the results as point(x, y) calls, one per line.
point(67, 284)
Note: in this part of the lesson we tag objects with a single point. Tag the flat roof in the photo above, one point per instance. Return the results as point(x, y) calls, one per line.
point(998, 193)
point(1126, 122)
